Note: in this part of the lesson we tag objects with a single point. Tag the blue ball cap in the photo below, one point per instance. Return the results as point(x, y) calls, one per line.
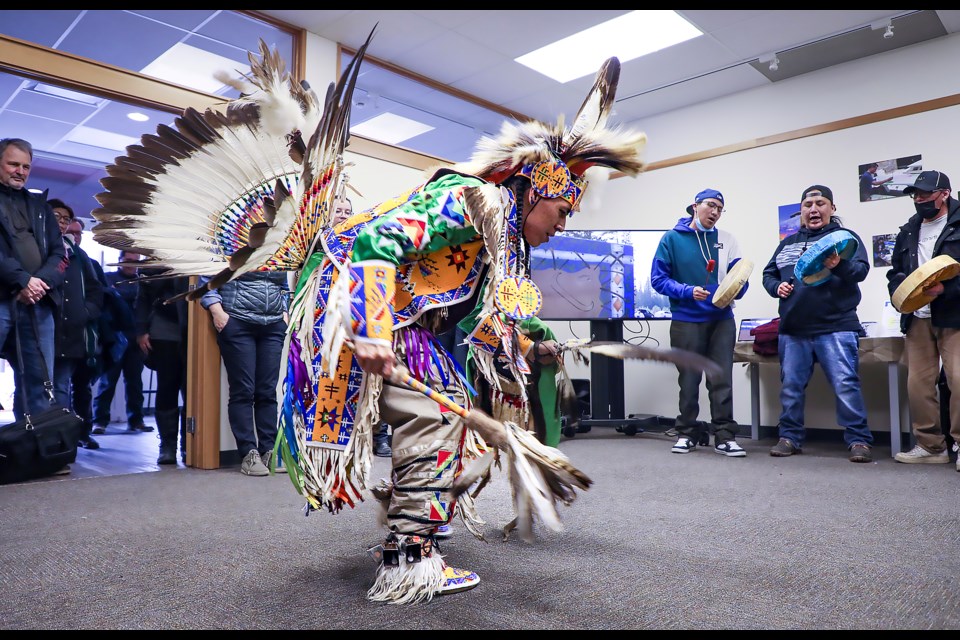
point(703, 195)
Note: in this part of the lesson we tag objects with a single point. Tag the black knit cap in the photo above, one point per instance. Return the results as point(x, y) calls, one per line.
point(826, 192)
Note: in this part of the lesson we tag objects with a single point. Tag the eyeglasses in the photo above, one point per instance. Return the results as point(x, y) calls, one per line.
point(923, 195)
point(713, 205)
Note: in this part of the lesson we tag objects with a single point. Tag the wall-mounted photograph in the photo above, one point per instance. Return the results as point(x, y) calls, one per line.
point(789, 215)
point(884, 179)
point(883, 249)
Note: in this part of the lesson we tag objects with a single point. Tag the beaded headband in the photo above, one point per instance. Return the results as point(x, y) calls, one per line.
point(553, 179)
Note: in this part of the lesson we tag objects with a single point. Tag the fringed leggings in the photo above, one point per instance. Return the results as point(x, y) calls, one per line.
point(427, 439)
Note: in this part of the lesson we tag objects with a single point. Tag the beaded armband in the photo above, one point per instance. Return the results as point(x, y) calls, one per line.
point(372, 289)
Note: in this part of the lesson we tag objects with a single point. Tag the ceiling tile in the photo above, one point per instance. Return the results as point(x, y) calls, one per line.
point(120, 38)
point(51, 107)
point(39, 132)
point(25, 25)
point(188, 19)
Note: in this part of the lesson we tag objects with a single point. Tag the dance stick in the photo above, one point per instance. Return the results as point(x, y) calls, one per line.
point(493, 432)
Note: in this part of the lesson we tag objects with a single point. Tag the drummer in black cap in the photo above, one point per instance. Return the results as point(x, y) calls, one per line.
point(932, 331)
point(818, 321)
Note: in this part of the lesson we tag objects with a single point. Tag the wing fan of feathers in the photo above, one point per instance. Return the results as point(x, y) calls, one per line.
point(223, 193)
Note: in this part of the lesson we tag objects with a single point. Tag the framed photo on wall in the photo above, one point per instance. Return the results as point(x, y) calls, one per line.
point(789, 215)
point(883, 179)
point(883, 249)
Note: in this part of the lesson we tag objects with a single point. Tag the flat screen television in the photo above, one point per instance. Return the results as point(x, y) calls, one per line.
point(599, 275)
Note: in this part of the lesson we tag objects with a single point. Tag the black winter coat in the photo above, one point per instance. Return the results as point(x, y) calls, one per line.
point(80, 308)
point(13, 277)
point(945, 308)
point(828, 307)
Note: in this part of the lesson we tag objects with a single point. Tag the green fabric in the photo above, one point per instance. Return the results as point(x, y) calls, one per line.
point(547, 386)
point(439, 206)
point(314, 261)
point(546, 389)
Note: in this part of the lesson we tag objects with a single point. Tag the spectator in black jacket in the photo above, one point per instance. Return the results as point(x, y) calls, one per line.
point(819, 323)
point(162, 337)
point(250, 316)
point(77, 342)
point(932, 331)
point(122, 287)
point(31, 272)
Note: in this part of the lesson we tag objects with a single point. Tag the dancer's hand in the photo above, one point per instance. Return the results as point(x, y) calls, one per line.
point(544, 352)
point(375, 358)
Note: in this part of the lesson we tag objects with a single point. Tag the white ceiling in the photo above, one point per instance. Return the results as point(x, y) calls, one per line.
point(474, 51)
point(471, 51)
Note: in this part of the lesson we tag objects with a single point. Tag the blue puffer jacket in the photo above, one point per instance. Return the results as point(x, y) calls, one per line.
point(259, 297)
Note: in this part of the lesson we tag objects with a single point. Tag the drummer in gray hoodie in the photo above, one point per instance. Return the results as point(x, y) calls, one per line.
point(819, 323)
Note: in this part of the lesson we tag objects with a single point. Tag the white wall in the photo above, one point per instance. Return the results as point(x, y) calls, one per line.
point(755, 182)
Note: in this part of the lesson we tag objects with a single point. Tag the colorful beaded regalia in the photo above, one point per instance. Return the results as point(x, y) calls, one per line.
point(254, 186)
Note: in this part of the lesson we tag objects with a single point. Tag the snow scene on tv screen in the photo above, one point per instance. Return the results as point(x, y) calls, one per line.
point(598, 275)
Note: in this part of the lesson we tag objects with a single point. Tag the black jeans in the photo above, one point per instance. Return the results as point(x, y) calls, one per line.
point(251, 355)
point(131, 366)
point(170, 362)
point(714, 340)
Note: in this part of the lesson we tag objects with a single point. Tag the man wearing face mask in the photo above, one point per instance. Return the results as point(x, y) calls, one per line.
point(932, 331)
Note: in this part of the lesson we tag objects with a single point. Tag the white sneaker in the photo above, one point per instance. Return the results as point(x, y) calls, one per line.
point(731, 449)
point(252, 465)
point(684, 445)
point(919, 455)
point(267, 458)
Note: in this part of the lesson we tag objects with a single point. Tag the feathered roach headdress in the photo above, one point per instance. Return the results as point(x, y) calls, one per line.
point(555, 158)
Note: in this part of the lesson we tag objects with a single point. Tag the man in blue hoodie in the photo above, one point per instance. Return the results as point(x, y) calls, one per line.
point(691, 261)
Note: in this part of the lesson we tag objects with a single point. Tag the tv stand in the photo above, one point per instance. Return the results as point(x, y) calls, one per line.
point(607, 387)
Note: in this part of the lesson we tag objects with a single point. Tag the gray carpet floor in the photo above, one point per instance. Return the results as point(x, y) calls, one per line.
point(661, 541)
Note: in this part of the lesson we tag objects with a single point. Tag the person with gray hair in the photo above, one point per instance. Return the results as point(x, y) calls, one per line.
point(32, 262)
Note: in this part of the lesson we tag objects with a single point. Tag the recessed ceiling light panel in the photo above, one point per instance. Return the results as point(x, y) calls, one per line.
point(390, 128)
point(630, 36)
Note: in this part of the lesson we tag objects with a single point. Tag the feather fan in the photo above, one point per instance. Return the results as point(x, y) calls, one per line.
point(221, 193)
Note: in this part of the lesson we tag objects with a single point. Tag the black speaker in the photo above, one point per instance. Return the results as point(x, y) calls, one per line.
point(582, 388)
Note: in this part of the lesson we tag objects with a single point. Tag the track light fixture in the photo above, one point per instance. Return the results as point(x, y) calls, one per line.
point(772, 59)
point(887, 25)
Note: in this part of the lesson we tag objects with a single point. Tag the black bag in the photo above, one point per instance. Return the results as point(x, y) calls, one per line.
point(40, 444)
point(766, 338)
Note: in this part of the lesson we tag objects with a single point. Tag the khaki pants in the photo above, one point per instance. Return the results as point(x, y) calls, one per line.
point(925, 347)
point(427, 456)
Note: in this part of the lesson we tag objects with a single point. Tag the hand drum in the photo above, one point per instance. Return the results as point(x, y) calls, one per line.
point(810, 267)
